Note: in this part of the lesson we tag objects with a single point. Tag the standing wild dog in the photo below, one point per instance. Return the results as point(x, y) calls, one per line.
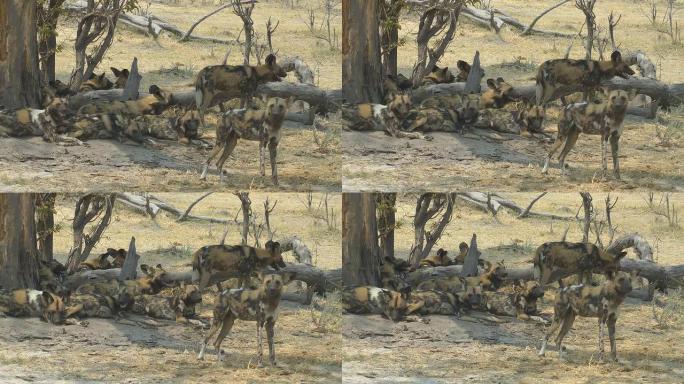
point(586, 73)
point(96, 83)
point(605, 118)
point(464, 71)
point(258, 305)
point(224, 82)
point(498, 95)
point(437, 260)
point(390, 304)
point(263, 125)
point(155, 103)
point(556, 260)
point(587, 301)
point(121, 77)
point(438, 76)
point(226, 261)
point(30, 302)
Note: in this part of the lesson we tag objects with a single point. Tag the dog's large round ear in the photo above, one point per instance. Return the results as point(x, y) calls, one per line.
point(463, 66)
point(271, 60)
point(47, 296)
point(146, 269)
point(500, 80)
point(125, 72)
point(491, 84)
point(115, 71)
point(155, 90)
point(616, 57)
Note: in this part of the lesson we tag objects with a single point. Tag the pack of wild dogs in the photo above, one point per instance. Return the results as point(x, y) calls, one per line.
point(569, 264)
point(157, 114)
point(500, 107)
point(157, 295)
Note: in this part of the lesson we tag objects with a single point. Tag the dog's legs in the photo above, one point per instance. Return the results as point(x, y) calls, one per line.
point(212, 154)
point(273, 151)
point(262, 156)
point(614, 147)
point(612, 319)
point(228, 321)
point(569, 143)
point(270, 333)
point(260, 339)
point(601, 322)
point(204, 280)
point(560, 139)
point(568, 319)
point(552, 329)
point(231, 142)
point(215, 325)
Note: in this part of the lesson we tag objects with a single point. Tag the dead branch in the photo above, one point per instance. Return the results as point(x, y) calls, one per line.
point(88, 208)
point(185, 214)
point(246, 204)
point(155, 204)
point(588, 214)
point(298, 248)
point(530, 27)
point(471, 259)
point(484, 17)
point(527, 210)
point(130, 91)
point(187, 34)
point(428, 206)
point(130, 265)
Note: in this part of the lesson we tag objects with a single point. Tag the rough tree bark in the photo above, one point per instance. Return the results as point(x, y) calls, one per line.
point(386, 206)
point(361, 63)
point(18, 253)
point(48, 15)
point(360, 251)
point(19, 72)
point(129, 270)
point(389, 17)
point(45, 224)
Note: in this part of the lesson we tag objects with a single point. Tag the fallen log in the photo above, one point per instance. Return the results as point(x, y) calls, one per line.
point(155, 205)
point(485, 17)
point(298, 248)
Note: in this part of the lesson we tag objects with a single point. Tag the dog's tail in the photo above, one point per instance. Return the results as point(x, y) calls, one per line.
point(197, 259)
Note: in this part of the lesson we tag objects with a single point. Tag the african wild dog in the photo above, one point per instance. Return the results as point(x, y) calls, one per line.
point(498, 95)
point(605, 118)
point(153, 281)
point(187, 125)
point(393, 85)
point(433, 302)
point(226, 261)
point(121, 77)
point(438, 76)
point(521, 303)
point(588, 301)
point(530, 118)
point(437, 260)
point(179, 306)
point(30, 302)
point(118, 255)
point(464, 71)
point(445, 113)
point(258, 305)
point(263, 125)
point(223, 82)
point(99, 126)
point(462, 252)
point(556, 260)
point(96, 83)
point(84, 305)
point(51, 275)
point(388, 303)
point(388, 273)
point(492, 279)
point(586, 73)
point(98, 262)
point(154, 103)
point(468, 291)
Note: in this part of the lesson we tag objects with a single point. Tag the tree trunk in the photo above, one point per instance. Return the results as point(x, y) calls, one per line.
point(386, 206)
point(18, 252)
point(19, 72)
point(361, 64)
point(360, 251)
point(45, 224)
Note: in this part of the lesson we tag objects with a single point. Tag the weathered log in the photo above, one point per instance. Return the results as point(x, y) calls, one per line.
point(130, 91)
point(156, 204)
point(530, 27)
point(633, 240)
point(471, 259)
point(485, 17)
point(472, 84)
point(298, 248)
point(130, 265)
point(495, 202)
point(298, 66)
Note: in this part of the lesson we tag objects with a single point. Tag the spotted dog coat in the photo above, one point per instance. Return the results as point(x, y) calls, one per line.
point(462, 252)
point(258, 305)
point(587, 73)
point(492, 279)
point(438, 259)
point(464, 71)
point(434, 302)
point(96, 305)
point(187, 126)
point(498, 95)
point(225, 261)
point(531, 118)
point(32, 303)
point(223, 82)
point(605, 118)
point(51, 276)
point(262, 124)
point(390, 304)
point(556, 260)
point(121, 76)
point(153, 281)
point(601, 302)
point(522, 303)
point(178, 306)
point(155, 103)
point(96, 83)
point(388, 273)
point(393, 85)
point(99, 262)
point(445, 113)
point(438, 76)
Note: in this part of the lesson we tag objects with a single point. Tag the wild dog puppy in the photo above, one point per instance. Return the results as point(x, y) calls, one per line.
point(556, 260)
point(179, 307)
point(121, 77)
point(155, 103)
point(95, 305)
point(258, 305)
point(601, 302)
point(587, 73)
point(233, 81)
point(433, 302)
point(439, 259)
point(498, 95)
point(227, 261)
point(392, 305)
point(605, 119)
point(30, 302)
point(438, 76)
point(492, 279)
point(462, 252)
point(464, 71)
point(522, 303)
point(187, 125)
point(388, 273)
point(530, 118)
point(96, 83)
point(263, 125)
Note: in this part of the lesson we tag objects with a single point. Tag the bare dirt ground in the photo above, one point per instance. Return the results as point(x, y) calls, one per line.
point(650, 150)
point(137, 350)
point(451, 350)
point(308, 159)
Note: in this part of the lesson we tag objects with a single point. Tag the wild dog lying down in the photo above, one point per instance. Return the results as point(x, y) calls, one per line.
point(98, 126)
point(530, 118)
point(588, 73)
point(462, 252)
point(492, 279)
point(233, 81)
point(33, 122)
point(498, 95)
point(96, 83)
point(438, 76)
point(234, 261)
point(433, 302)
point(556, 260)
point(393, 119)
point(393, 85)
point(258, 305)
point(187, 125)
point(587, 301)
point(263, 125)
point(440, 258)
point(153, 281)
point(87, 305)
point(445, 113)
point(155, 103)
point(522, 303)
point(605, 119)
point(464, 71)
point(121, 76)
point(390, 304)
point(179, 306)
point(51, 275)
point(32, 303)
point(102, 261)
point(388, 273)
